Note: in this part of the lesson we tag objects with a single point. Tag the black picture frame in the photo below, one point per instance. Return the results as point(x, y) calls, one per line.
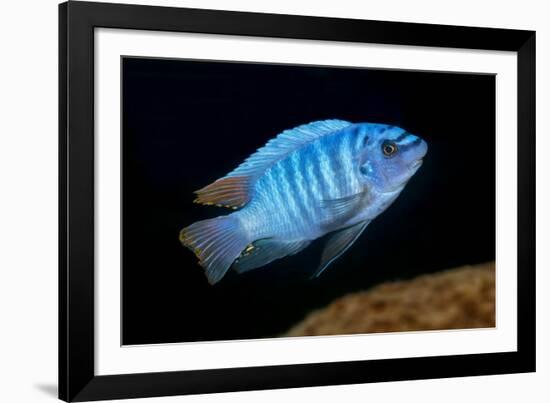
point(77, 379)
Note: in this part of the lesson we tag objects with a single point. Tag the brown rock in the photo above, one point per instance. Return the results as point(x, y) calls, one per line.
point(460, 298)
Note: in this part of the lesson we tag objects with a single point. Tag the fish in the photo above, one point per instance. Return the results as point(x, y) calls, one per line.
point(328, 177)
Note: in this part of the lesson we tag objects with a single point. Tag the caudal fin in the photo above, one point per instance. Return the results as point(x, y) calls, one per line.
point(217, 242)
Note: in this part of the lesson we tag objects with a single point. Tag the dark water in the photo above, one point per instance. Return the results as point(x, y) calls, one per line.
point(187, 123)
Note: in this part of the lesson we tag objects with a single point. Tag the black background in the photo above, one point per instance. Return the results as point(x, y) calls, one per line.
point(187, 123)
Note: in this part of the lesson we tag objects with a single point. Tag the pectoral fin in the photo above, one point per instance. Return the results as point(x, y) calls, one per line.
point(338, 243)
point(344, 207)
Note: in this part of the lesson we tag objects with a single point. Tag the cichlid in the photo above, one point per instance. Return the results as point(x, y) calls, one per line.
point(324, 177)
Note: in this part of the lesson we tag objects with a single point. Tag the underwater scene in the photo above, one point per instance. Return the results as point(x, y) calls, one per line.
point(274, 200)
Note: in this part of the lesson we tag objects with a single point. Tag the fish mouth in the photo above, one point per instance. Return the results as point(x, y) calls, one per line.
point(416, 164)
point(412, 170)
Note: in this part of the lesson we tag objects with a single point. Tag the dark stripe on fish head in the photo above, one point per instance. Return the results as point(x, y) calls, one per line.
point(412, 142)
point(384, 128)
point(358, 137)
point(402, 137)
point(365, 140)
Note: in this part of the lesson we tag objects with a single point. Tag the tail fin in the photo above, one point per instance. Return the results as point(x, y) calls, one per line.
point(217, 242)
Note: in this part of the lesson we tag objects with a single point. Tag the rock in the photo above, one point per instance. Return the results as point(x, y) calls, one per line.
point(459, 298)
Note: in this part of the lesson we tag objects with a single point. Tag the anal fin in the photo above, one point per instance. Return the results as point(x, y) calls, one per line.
point(338, 243)
point(264, 251)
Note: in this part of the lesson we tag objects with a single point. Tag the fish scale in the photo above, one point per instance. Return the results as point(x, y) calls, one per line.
point(292, 195)
point(289, 204)
point(304, 198)
point(284, 194)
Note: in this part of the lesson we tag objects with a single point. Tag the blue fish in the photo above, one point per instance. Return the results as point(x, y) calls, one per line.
point(326, 177)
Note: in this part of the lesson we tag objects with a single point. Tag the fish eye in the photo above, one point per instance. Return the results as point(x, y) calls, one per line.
point(389, 148)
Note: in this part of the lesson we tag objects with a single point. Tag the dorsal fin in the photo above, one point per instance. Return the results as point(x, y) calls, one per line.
point(279, 147)
point(235, 193)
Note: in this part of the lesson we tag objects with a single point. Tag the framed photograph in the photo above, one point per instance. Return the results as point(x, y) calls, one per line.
point(258, 201)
